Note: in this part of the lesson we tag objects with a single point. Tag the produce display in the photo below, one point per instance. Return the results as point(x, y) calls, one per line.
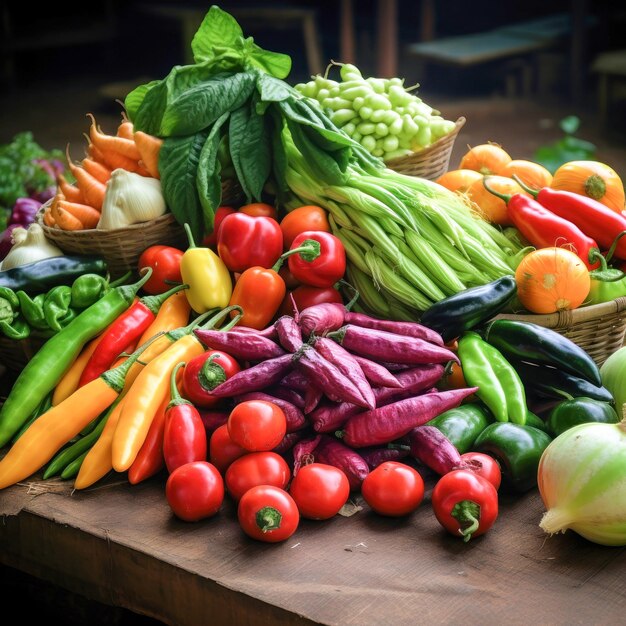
point(338, 336)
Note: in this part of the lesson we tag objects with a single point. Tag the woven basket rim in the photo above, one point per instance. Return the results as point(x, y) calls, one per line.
point(419, 154)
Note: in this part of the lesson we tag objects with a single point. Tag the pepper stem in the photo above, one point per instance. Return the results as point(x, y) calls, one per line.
point(222, 314)
point(309, 251)
point(176, 398)
point(128, 292)
point(268, 518)
point(467, 514)
point(355, 291)
point(192, 243)
point(154, 302)
point(211, 374)
point(502, 196)
point(525, 187)
point(609, 254)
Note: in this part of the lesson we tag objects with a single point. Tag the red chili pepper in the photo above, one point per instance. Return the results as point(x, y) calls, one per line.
point(327, 267)
point(127, 328)
point(244, 241)
point(184, 437)
point(205, 372)
point(210, 241)
point(544, 228)
point(592, 217)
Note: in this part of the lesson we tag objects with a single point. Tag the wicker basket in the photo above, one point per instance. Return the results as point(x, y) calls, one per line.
point(598, 329)
point(431, 162)
point(121, 247)
point(14, 355)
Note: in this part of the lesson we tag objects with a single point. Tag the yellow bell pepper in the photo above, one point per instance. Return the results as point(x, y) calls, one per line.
point(210, 283)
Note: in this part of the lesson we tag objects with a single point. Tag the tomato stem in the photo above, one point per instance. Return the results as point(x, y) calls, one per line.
point(268, 518)
point(467, 514)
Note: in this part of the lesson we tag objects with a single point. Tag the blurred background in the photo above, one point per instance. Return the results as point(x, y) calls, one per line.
point(513, 69)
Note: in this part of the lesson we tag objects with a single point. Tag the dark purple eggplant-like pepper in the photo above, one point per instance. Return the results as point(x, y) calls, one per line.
point(312, 398)
point(408, 329)
point(255, 378)
point(320, 319)
point(295, 380)
point(212, 420)
point(24, 211)
point(333, 452)
point(268, 333)
point(287, 394)
point(385, 346)
point(376, 374)
point(327, 376)
point(303, 452)
point(432, 448)
point(375, 456)
point(289, 333)
point(294, 416)
point(244, 346)
point(347, 365)
point(288, 442)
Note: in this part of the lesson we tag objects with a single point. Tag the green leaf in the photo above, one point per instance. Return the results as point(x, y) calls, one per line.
point(271, 89)
point(178, 165)
point(256, 159)
point(570, 124)
point(134, 99)
point(279, 156)
point(274, 63)
point(218, 29)
point(236, 137)
point(200, 105)
point(208, 179)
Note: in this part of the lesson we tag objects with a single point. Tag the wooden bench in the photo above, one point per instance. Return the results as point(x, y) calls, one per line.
point(611, 68)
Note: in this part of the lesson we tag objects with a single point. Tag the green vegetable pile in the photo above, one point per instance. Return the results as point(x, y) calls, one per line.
point(409, 241)
point(386, 118)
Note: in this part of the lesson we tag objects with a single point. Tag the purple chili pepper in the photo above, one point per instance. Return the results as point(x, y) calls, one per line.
point(268, 333)
point(288, 442)
point(332, 452)
point(294, 416)
point(347, 365)
point(375, 456)
point(289, 333)
point(212, 420)
point(376, 374)
point(386, 346)
point(327, 376)
point(430, 446)
point(244, 346)
point(322, 318)
point(255, 378)
point(408, 329)
point(295, 380)
point(287, 394)
point(303, 452)
point(312, 398)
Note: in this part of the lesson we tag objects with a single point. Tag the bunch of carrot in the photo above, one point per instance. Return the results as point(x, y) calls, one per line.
point(77, 206)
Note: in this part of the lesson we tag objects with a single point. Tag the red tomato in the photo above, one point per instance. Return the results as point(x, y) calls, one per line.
point(393, 489)
point(205, 372)
point(222, 449)
point(306, 296)
point(319, 490)
point(484, 465)
point(302, 219)
point(184, 437)
point(257, 425)
point(268, 513)
point(465, 504)
point(259, 209)
point(165, 264)
point(256, 468)
point(195, 491)
point(220, 213)
point(324, 270)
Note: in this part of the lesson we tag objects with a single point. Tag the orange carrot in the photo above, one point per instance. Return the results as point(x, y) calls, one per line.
point(97, 170)
point(48, 220)
point(111, 143)
point(149, 147)
point(71, 192)
point(64, 219)
point(125, 129)
point(92, 189)
point(87, 215)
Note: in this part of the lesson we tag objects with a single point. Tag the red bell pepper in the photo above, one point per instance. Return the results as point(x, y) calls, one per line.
point(125, 330)
point(245, 241)
point(323, 269)
point(205, 372)
point(184, 437)
point(544, 228)
point(592, 217)
point(210, 241)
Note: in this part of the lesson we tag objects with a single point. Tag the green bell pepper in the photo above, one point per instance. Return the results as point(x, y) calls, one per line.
point(9, 305)
point(32, 310)
point(580, 411)
point(462, 425)
point(517, 449)
point(536, 422)
point(17, 329)
point(87, 289)
point(606, 284)
point(56, 307)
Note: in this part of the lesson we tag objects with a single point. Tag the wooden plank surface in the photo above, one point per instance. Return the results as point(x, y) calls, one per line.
point(120, 544)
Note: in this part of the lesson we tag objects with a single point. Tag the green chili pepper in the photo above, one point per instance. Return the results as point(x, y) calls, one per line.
point(462, 425)
point(73, 467)
point(517, 449)
point(32, 310)
point(579, 411)
point(45, 369)
point(499, 385)
point(87, 289)
point(44, 405)
point(56, 306)
point(17, 329)
point(64, 458)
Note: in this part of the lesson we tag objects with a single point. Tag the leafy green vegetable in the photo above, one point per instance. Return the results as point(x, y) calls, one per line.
point(217, 31)
point(256, 160)
point(568, 148)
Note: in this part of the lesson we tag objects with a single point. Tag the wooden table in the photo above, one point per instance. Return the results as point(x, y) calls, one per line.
point(120, 545)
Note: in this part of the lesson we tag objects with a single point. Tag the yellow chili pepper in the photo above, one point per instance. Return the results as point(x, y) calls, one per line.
point(210, 283)
point(173, 313)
